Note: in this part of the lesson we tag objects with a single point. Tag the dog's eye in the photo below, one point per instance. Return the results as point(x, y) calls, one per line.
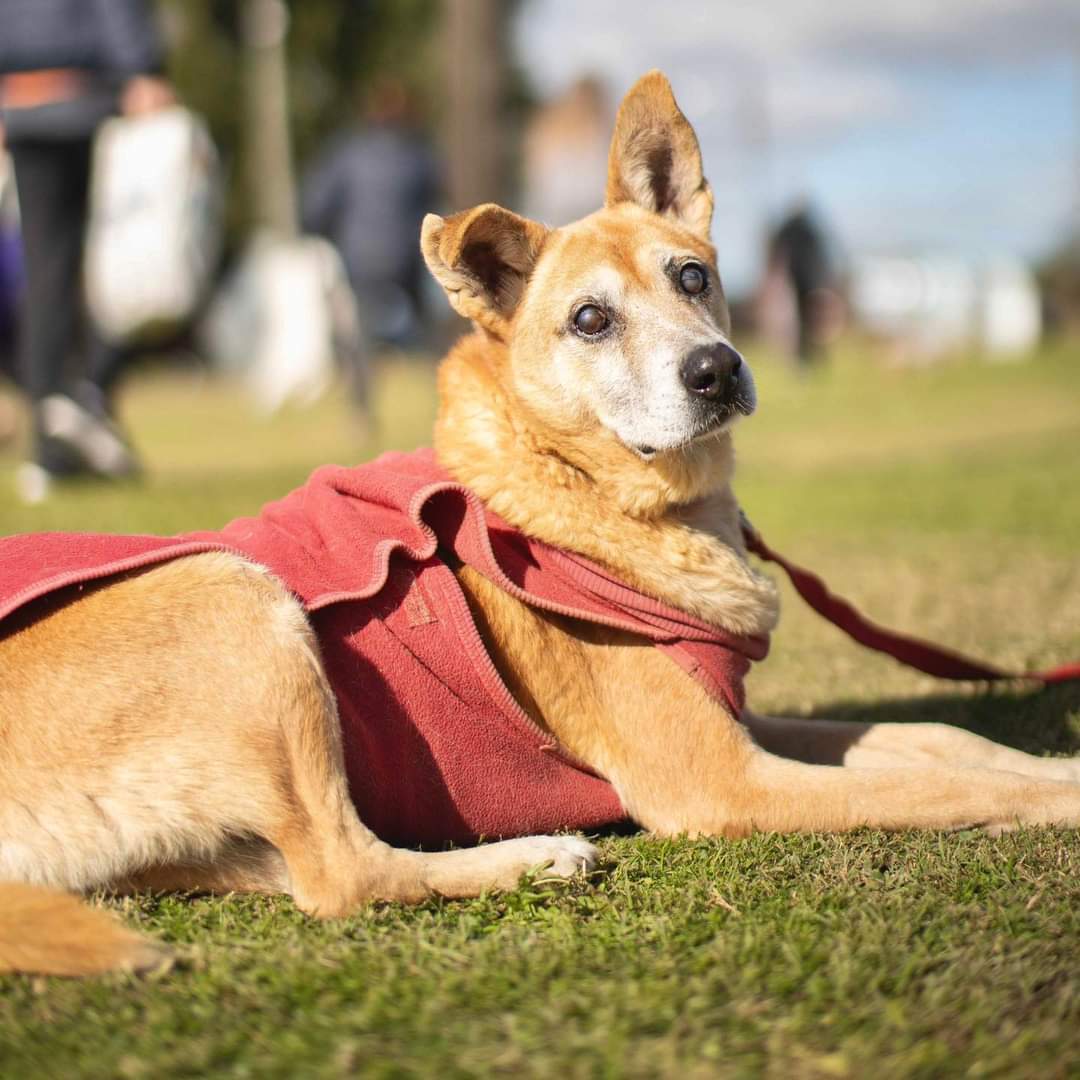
point(590, 320)
point(692, 279)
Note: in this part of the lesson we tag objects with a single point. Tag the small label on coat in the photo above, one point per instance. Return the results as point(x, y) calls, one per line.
point(416, 607)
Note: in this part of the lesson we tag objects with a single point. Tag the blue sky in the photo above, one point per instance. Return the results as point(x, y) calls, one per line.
point(927, 127)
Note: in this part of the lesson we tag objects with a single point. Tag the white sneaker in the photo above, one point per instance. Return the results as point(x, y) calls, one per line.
point(96, 440)
point(32, 483)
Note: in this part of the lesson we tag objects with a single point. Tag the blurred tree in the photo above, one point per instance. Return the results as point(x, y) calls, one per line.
point(335, 50)
point(270, 169)
point(474, 72)
point(468, 93)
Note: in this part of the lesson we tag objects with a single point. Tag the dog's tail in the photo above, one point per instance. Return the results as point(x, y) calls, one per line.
point(51, 933)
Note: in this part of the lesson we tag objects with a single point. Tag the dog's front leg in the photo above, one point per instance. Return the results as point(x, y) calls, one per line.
point(681, 764)
point(687, 766)
point(870, 745)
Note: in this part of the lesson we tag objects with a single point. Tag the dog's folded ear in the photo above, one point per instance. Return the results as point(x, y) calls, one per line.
point(655, 160)
point(482, 258)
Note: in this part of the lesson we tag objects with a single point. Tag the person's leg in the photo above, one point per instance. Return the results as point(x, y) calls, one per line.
point(105, 362)
point(807, 340)
point(72, 430)
point(51, 178)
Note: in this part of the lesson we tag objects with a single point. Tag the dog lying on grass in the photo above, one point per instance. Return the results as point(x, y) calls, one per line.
point(541, 627)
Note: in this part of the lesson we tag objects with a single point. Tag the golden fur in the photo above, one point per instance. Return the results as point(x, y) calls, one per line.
point(175, 730)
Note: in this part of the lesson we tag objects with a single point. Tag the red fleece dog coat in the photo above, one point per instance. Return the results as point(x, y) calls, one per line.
point(437, 750)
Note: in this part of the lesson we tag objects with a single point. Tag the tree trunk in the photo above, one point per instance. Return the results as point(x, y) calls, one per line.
point(268, 157)
point(474, 50)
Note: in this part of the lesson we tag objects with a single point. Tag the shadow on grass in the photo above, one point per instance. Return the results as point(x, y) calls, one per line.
point(1037, 721)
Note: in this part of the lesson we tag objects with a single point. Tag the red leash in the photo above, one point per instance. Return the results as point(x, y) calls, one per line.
point(921, 655)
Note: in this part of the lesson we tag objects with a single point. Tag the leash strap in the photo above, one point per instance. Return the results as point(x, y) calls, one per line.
point(921, 655)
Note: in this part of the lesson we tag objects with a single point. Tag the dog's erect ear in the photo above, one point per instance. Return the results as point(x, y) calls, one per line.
point(655, 160)
point(482, 258)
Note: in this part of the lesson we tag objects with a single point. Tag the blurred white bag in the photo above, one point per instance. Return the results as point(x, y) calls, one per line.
point(155, 229)
point(285, 319)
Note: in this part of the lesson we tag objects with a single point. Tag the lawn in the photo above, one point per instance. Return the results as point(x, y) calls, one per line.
point(945, 501)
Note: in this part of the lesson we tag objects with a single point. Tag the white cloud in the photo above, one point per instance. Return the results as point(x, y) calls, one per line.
point(962, 31)
point(818, 67)
point(836, 99)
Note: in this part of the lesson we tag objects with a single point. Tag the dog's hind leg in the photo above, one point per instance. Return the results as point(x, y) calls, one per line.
point(380, 873)
point(332, 861)
point(241, 866)
point(154, 730)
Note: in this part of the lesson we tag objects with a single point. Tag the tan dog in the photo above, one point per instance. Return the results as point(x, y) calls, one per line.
point(591, 409)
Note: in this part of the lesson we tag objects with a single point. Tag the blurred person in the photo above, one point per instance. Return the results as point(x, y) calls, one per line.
point(65, 65)
point(798, 255)
point(367, 192)
point(10, 263)
point(566, 151)
point(10, 282)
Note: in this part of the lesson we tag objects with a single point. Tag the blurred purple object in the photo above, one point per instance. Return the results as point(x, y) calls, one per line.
point(10, 287)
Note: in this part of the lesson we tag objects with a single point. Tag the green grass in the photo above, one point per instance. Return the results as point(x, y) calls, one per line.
point(945, 502)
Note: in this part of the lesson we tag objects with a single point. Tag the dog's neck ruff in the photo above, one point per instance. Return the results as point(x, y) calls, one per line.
point(669, 528)
point(436, 747)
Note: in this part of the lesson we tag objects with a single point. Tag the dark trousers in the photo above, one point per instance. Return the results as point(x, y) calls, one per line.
point(57, 345)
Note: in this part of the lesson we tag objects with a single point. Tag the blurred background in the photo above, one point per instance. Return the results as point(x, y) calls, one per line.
point(896, 187)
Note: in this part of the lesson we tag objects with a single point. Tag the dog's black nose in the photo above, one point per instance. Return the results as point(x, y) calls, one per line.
point(712, 372)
